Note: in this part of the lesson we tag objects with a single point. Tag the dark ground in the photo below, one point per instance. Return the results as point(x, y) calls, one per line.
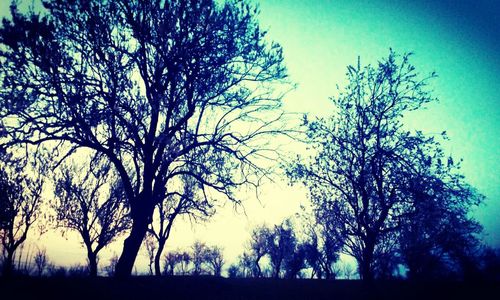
point(180, 287)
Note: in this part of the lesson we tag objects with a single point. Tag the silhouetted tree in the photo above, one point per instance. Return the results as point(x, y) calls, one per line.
point(294, 263)
point(170, 262)
point(161, 89)
point(358, 177)
point(437, 231)
point(322, 247)
point(92, 202)
point(233, 271)
point(258, 247)
point(491, 263)
point(41, 261)
point(186, 202)
point(198, 257)
point(177, 263)
point(348, 271)
point(246, 265)
point(281, 246)
point(21, 185)
point(214, 260)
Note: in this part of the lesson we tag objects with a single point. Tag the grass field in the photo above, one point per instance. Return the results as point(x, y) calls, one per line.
point(186, 287)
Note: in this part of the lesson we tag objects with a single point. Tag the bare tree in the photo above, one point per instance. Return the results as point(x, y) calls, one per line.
point(322, 247)
point(41, 261)
point(171, 259)
point(258, 247)
point(358, 176)
point(186, 202)
point(20, 202)
point(348, 270)
point(280, 246)
point(198, 257)
point(90, 200)
point(153, 86)
point(214, 260)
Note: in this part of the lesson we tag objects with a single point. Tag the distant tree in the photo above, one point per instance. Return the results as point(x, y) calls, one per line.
point(91, 201)
point(169, 264)
point(322, 247)
point(185, 260)
point(358, 177)
point(214, 260)
point(162, 89)
point(233, 271)
point(186, 202)
point(258, 247)
point(77, 270)
point(198, 257)
point(294, 263)
point(348, 270)
point(281, 246)
point(171, 259)
point(21, 186)
point(41, 261)
point(111, 267)
point(57, 271)
point(246, 266)
point(177, 263)
point(491, 263)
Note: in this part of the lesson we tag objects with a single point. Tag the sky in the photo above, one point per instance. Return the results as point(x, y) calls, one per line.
point(457, 39)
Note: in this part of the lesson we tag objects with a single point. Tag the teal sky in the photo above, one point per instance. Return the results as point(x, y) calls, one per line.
point(460, 40)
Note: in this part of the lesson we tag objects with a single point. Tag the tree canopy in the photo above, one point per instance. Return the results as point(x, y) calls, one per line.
point(160, 89)
point(370, 175)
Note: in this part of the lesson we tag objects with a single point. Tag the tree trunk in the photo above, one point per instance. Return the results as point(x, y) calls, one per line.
point(8, 264)
point(131, 246)
point(92, 257)
point(161, 245)
point(366, 268)
point(259, 270)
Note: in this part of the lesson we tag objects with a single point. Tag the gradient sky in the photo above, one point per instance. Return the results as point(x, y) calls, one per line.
point(457, 39)
point(460, 40)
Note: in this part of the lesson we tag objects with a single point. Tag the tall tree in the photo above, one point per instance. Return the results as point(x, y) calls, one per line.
point(90, 200)
point(358, 177)
point(160, 88)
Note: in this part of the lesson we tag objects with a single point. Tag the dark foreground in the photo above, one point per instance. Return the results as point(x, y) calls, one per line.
point(143, 288)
